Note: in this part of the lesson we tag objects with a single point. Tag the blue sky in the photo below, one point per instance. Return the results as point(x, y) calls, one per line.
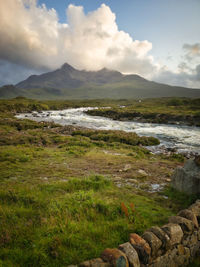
point(156, 39)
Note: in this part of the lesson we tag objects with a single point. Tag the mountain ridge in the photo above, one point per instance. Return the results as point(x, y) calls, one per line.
point(70, 83)
point(67, 76)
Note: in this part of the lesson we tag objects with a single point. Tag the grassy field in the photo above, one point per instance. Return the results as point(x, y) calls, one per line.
point(68, 193)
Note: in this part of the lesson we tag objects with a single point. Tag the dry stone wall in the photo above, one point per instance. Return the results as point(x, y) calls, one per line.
point(174, 244)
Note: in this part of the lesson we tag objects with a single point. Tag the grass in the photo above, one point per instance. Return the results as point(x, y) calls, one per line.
point(165, 110)
point(60, 203)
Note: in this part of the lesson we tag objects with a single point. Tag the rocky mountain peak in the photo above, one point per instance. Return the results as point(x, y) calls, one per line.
point(67, 67)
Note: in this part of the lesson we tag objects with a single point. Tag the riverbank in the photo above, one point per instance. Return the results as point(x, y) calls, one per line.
point(66, 193)
point(172, 138)
point(162, 111)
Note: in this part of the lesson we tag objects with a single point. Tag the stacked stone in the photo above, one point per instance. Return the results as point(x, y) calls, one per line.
point(174, 244)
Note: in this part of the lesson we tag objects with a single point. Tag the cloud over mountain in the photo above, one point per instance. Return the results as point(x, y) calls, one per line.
point(34, 41)
point(32, 36)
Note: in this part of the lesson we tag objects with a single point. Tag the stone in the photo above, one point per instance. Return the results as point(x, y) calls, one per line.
point(186, 225)
point(181, 260)
point(194, 250)
point(142, 247)
point(99, 263)
point(142, 173)
point(190, 240)
point(173, 258)
point(94, 263)
point(84, 264)
point(181, 249)
point(131, 254)
point(187, 252)
point(187, 178)
point(195, 208)
point(127, 167)
point(154, 242)
point(164, 261)
point(161, 235)
point(115, 257)
point(174, 232)
point(188, 214)
point(197, 160)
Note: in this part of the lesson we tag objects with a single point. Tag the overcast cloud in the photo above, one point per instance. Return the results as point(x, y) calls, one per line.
point(33, 41)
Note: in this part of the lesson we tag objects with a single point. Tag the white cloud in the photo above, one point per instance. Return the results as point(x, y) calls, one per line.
point(32, 36)
point(192, 51)
point(186, 77)
point(188, 71)
point(33, 40)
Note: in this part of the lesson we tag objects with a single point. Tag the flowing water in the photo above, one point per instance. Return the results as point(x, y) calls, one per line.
point(185, 139)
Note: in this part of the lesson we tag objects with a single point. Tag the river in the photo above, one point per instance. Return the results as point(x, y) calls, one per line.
point(184, 139)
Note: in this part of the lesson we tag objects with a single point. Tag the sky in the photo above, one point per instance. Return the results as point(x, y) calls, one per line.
point(157, 39)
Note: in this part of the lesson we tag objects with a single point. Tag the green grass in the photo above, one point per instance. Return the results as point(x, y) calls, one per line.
point(118, 136)
point(164, 110)
point(59, 203)
point(67, 222)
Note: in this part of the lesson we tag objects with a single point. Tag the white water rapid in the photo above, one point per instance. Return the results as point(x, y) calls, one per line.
point(181, 138)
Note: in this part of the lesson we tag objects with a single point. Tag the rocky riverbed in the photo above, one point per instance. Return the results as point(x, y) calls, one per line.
point(173, 138)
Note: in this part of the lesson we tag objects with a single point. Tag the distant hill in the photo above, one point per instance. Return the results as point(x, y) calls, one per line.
point(70, 83)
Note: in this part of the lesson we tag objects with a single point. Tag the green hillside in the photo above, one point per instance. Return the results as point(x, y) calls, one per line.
point(69, 83)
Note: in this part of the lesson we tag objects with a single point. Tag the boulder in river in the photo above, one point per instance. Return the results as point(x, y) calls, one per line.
point(187, 178)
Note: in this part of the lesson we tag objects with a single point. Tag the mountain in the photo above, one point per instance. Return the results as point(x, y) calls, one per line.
point(70, 83)
point(68, 77)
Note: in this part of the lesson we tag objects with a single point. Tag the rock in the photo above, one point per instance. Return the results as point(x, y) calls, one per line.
point(154, 242)
point(190, 240)
point(115, 257)
point(188, 214)
point(84, 264)
point(174, 232)
point(181, 249)
point(194, 250)
point(187, 178)
point(98, 263)
point(195, 208)
point(161, 235)
point(142, 173)
point(117, 178)
point(187, 252)
point(131, 254)
point(142, 247)
point(197, 160)
point(177, 257)
point(127, 167)
point(94, 263)
point(172, 149)
point(164, 261)
point(186, 225)
point(168, 180)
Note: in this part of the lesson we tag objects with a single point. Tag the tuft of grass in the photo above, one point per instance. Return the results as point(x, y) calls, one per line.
point(118, 136)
